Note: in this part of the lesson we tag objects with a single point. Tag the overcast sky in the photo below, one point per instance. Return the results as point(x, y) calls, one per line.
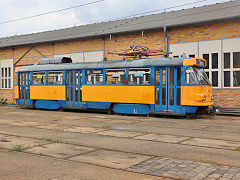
point(102, 11)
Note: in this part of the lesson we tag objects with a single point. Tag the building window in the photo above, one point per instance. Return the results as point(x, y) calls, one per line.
point(55, 77)
point(236, 60)
point(231, 69)
point(212, 68)
point(236, 78)
point(139, 76)
point(206, 57)
point(226, 58)
point(116, 76)
point(94, 76)
point(39, 78)
point(6, 78)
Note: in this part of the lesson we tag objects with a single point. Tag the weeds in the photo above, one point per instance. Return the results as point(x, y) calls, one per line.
point(203, 160)
point(58, 119)
point(237, 148)
point(106, 126)
point(18, 148)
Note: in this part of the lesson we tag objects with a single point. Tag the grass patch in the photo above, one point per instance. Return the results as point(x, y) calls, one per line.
point(106, 126)
point(203, 160)
point(18, 148)
point(237, 148)
point(59, 119)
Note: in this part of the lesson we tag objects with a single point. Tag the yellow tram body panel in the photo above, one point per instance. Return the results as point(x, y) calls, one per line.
point(193, 95)
point(16, 92)
point(48, 92)
point(119, 94)
point(195, 61)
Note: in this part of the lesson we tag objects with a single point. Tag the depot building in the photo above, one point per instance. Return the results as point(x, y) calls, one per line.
point(211, 32)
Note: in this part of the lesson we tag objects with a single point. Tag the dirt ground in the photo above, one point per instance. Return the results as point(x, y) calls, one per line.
point(79, 145)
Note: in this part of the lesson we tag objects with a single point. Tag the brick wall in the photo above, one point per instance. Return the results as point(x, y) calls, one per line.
point(7, 94)
point(227, 97)
point(206, 32)
point(78, 46)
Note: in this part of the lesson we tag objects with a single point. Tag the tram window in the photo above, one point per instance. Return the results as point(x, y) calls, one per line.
point(20, 79)
point(72, 91)
point(139, 76)
point(196, 76)
point(164, 77)
point(28, 78)
point(94, 76)
point(78, 80)
point(76, 94)
point(171, 96)
point(178, 77)
point(67, 78)
point(39, 77)
point(157, 96)
point(178, 96)
point(116, 76)
point(67, 93)
point(71, 73)
point(157, 77)
point(55, 77)
point(163, 96)
point(171, 77)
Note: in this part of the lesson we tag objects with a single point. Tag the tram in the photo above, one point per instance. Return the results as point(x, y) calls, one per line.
point(171, 86)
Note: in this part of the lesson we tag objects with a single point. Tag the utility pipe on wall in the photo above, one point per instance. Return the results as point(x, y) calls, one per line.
point(166, 35)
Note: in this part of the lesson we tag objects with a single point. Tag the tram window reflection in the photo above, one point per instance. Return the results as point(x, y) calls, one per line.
point(39, 77)
point(139, 76)
point(55, 77)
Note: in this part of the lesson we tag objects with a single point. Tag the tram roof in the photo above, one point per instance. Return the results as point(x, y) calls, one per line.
point(106, 64)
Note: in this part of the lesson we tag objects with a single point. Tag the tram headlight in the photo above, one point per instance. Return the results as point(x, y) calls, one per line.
point(212, 97)
point(204, 98)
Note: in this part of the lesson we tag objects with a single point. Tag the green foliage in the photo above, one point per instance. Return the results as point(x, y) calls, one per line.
point(106, 126)
point(18, 148)
point(237, 148)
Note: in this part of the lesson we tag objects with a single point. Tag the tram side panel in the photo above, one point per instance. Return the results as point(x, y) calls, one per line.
point(48, 97)
point(125, 99)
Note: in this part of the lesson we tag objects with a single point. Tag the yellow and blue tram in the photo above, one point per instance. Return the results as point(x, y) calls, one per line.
point(177, 86)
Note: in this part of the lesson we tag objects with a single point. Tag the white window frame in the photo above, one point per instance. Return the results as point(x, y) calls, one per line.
point(210, 70)
point(231, 70)
point(6, 64)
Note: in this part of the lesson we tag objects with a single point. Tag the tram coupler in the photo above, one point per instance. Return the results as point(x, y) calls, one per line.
point(212, 110)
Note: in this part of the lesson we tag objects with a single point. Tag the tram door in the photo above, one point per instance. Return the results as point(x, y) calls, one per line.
point(24, 87)
point(74, 88)
point(168, 89)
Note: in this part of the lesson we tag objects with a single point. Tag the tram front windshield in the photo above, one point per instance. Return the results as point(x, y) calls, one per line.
point(196, 76)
